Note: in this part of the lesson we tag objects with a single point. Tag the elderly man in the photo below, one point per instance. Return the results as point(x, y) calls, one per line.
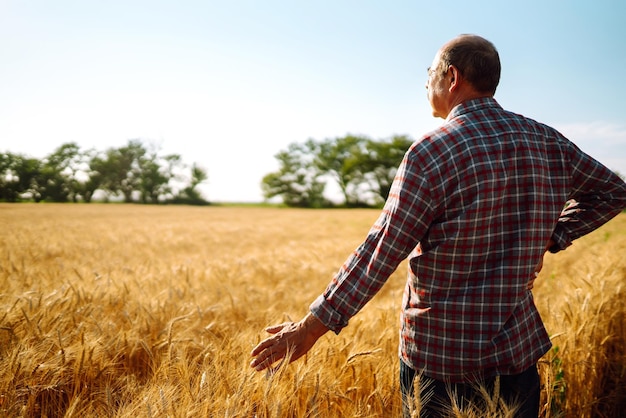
point(475, 205)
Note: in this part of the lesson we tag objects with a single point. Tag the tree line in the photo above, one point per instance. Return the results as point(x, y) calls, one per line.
point(360, 167)
point(135, 172)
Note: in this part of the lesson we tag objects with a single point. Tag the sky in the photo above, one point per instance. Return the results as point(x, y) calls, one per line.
point(228, 84)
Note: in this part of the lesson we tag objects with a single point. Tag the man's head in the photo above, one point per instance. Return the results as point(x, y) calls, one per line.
point(466, 67)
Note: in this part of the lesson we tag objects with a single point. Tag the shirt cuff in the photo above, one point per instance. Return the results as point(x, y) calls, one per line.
point(333, 320)
point(561, 239)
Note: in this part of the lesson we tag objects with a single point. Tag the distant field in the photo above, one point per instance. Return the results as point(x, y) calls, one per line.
point(151, 311)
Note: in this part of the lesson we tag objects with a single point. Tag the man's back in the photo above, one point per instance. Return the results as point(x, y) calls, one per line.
point(487, 189)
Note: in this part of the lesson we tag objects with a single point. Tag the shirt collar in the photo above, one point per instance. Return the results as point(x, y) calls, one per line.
point(472, 105)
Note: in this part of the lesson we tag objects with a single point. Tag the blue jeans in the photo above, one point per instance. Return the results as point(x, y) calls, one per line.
point(520, 389)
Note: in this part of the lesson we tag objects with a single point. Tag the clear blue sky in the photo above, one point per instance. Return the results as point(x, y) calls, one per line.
point(228, 84)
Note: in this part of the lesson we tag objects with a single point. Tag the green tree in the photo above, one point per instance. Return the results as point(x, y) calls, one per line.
point(70, 174)
point(55, 180)
point(198, 176)
point(155, 175)
point(342, 158)
point(362, 168)
point(29, 171)
point(121, 170)
point(297, 181)
point(8, 178)
point(94, 175)
point(190, 194)
point(63, 173)
point(381, 161)
point(18, 176)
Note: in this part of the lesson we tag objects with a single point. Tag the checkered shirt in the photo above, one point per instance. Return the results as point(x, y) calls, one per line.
point(473, 206)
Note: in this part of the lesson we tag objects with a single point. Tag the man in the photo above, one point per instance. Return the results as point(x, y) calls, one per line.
point(475, 205)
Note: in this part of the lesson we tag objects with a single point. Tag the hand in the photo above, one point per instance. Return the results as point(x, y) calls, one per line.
point(531, 283)
point(290, 341)
point(570, 211)
point(539, 266)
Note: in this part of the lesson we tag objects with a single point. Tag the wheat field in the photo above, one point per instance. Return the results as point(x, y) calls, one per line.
point(151, 311)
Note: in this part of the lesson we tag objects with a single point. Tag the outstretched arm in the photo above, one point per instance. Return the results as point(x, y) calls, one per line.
point(291, 340)
point(403, 221)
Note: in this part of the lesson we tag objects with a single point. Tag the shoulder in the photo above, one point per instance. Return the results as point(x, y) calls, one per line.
point(437, 153)
point(444, 141)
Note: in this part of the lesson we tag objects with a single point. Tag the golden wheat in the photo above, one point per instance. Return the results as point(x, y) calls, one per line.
point(150, 311)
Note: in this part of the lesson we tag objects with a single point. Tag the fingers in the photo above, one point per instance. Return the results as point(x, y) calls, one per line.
point(262, 346)
point(289, 342)
point(270, 350)
point(531, 283)
point(265, 359)
point(538, 268)
point(275, 329)
point(267, 353)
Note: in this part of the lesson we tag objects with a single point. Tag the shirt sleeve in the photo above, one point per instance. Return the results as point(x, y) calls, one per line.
point(598, 193)
point(402, 222)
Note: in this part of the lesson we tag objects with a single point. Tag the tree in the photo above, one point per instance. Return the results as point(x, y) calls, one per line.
point(155, 175)
point(363, 169)
point(190, 194)
point(297, 180)
point(198, 176)
point(342, 159)
point(28, 171)
point(121, 169)
point(381, 162)
point(95, 175)
point(8, 178)
point(70, 174)
point(18, 176)
point(63, 172)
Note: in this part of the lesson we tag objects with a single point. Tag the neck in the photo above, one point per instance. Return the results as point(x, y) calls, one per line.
point(464, 95)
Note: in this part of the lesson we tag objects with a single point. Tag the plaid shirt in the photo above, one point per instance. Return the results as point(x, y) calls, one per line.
point(473, 206)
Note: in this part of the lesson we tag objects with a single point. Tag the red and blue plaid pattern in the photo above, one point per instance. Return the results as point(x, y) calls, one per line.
point(473, 206)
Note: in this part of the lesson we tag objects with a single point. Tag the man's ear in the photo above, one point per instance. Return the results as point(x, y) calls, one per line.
point(454, 78)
